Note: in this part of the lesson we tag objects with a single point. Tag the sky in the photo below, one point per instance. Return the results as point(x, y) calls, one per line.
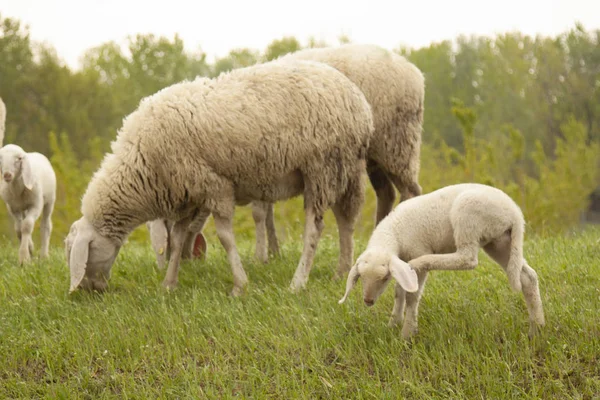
point(218, 26)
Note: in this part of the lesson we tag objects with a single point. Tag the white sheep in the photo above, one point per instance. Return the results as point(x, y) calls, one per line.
point(444, 230)
point(267, 132)
point(28, 188)
point(2, 121)
point(395, 89)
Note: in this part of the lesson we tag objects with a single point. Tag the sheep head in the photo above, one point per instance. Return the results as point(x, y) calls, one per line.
point(15, 164)
point(90, 256)
point(376, 267)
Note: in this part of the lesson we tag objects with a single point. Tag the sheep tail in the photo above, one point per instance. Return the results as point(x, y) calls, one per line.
point(515, 262)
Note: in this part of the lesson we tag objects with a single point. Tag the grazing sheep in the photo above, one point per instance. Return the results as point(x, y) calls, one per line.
point(444, 230)
point(2, 121)
point(266, 132)
point(395, 89)
point(28, 188)
point(194, 244)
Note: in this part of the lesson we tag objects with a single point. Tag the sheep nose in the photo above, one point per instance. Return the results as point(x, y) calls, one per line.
point(7, 176)
point(369, 302)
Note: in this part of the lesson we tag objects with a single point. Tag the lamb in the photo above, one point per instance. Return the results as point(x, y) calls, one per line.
point(194, 244)
point(267, 132)
point(443, 230)
point(2, 121)
point(395, 89)
point(28, 188)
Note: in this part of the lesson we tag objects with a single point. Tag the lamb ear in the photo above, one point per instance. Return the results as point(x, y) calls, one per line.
point(78, 258)
point(352, 279)
point(26, 172)
point(404, 275)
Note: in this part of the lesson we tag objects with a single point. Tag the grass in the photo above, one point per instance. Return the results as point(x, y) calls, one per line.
point(139, 341)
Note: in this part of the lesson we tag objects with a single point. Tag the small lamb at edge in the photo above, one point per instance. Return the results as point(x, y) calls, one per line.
point(444, 230)
point(28, 188)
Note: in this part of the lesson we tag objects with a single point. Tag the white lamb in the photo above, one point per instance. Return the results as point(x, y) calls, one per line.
point(443, 230)
point(28, 188)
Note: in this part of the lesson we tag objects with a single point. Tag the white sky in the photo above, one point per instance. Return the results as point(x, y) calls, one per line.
point(217, 26)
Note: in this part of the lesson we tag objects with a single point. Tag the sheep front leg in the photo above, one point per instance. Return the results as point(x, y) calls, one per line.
point(411, 323)
point(313, 226)
point(224, 225)
point(464, 258)
point(46, 229)
point(26, 246)
point(259, 213)
point(176, 238)
point(397, 316)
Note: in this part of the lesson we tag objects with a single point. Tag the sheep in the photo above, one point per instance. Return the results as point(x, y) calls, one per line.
point(443, 230)
point(395, 89)
point(194, 244)
point(2, 121)
point(267, 132)
point(28, 188)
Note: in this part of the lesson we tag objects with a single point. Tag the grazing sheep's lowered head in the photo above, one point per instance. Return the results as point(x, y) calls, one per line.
point(90, 256)
point(376, 267)
point(15, 164)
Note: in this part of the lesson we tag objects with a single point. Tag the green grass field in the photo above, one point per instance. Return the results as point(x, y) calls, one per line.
point(139, 341)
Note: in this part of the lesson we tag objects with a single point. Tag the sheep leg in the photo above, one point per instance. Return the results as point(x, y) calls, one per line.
point(26, 241)
point(259, 213)
point(397, 316)
point(407, 185)
point(386, 195)
point(313, 227)
point(46, 228)
point(411, 325)
point(188, 246)
point(224, 225)
point(499, 251)
point(346, 213)
point(176, 239)
point(271, 231)
point(464, 258)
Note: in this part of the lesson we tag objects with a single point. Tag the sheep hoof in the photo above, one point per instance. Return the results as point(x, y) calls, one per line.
point(262, 257)
point(236, 292)
point(169, 285)
point(534, 329)
point(394, 321)
point(297, 285)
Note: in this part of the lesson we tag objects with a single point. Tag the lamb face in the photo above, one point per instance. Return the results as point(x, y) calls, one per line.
point(376, 267)
point(90, 256)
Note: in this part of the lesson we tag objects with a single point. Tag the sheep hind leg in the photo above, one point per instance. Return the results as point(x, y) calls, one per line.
point(407, 185)
point(46, 229)
point(224, 224)
point(313, 227)
point(499, 251)
point(386, 195)
point(259, 214)
point(346, 213)
point(271, 231)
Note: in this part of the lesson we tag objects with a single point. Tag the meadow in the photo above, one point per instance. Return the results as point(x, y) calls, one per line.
point(139, 341)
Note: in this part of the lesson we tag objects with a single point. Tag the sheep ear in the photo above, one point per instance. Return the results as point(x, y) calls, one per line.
point(26, 172)
point(404, 275)
point(78, 258)
point(352, 279)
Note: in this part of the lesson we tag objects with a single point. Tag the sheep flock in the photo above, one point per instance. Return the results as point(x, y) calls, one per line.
point(311, 123)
